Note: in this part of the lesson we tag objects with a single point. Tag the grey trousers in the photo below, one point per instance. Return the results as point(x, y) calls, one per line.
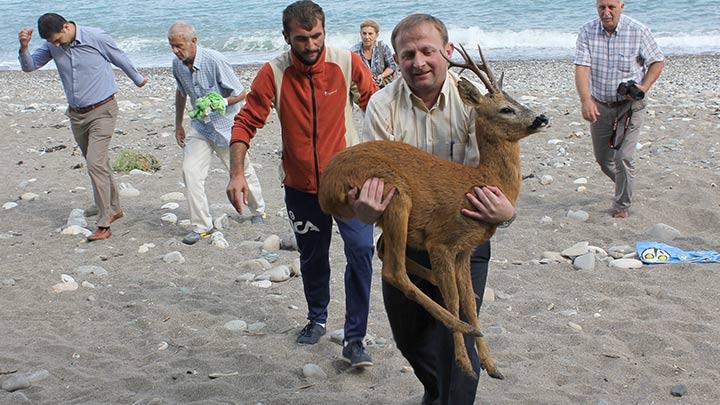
point(93, 131)
point(618, 164)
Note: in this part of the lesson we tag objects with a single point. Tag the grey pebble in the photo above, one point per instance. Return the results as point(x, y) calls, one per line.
point(236, 325)
point(256, 326)
point(679, 390)
point(568, 312)
point(313, 372)
point(584, 262)
point(8, 282)
point(15, 382)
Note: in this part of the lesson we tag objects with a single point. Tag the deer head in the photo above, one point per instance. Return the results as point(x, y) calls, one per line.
point(498, 113)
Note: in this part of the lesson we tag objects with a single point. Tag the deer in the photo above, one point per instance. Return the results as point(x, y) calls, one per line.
point(425, 212)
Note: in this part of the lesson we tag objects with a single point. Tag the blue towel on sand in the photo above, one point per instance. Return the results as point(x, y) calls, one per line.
point(657, 253)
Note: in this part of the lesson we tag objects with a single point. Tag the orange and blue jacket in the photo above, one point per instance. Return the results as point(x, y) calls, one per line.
point(314, 105)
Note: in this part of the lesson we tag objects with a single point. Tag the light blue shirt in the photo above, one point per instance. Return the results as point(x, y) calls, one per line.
point(210, 72)
point(84, 65)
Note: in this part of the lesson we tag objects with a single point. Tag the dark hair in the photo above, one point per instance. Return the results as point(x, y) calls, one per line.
point(305, 12)
point(414, 20)
point(49, 24)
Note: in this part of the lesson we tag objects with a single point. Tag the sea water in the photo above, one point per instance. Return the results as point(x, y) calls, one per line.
point(250, 31)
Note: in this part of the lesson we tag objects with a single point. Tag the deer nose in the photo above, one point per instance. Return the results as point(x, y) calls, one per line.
point(540, 121)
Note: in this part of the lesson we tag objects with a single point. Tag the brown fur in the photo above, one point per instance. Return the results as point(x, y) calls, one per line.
point(425, 212)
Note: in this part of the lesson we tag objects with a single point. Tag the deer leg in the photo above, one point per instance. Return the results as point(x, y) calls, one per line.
point(469, 306)
point(411, 265)
point(395, 226)
point(444, 267)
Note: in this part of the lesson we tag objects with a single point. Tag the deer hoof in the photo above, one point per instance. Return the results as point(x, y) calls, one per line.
point(496, 374)
point(476, 333)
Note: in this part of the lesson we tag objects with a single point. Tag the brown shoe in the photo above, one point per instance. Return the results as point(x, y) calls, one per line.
point(100, 234)
point(117, 216)
point(620, 213)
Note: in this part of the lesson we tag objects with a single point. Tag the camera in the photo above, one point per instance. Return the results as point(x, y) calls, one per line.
point(630, 88)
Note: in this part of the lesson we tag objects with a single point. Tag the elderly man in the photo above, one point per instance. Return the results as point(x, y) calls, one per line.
point(309, 87)
point(611, 50)
point(198, 72)
point(84, 57)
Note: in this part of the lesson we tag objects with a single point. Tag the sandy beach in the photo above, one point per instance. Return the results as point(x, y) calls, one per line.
point(142, 330)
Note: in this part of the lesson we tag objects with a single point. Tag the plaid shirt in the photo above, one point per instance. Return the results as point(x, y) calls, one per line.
point(614, 58)
point(210, 72)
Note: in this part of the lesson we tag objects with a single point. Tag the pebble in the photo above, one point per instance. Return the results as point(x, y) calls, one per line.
point(288, 242)
point(546, 179)
point(496, 330)
point(9, 205)
point(279, 274)
point(489, 295)
point(236, 325)
point(568, 312)
point(581, 180)
point(139, 173)
point(8, 282)
point(245, 277)
point(91, 270)
point(29, 196)
point(577, 249)
point(169, 217)
point(337, 336)
point(597, 250)
point(578, 215)
point(218, 240)
point(545, 220)
point(295, 267)
point(127, 190)
point(574, 326)
point(162, 346)
point(256, 326)
point(76, 230)
point(255, 265)
point(662, 233)
point(262, 284)
point(174, 196)
point(581, 189)
point(584, 262)
point(626, 264)
point(68, 284)
point(678, 390)
point(271, 243)
point(170, 206)
point(221, 222)
point(77, 217)
point(313, 372)
point(174, 257)
point(406, 370)
point(87, 284)
point(618, 252)
point(502, 296)
point(145, 247)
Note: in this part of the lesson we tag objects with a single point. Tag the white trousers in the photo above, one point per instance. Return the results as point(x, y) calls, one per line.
point(197, 155)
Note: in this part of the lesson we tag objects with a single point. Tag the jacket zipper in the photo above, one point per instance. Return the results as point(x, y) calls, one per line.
point(314, 133)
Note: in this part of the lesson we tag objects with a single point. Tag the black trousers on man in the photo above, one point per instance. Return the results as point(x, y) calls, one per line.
point(426, 343)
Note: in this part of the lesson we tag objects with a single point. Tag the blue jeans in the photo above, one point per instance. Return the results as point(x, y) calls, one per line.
point(313, 231)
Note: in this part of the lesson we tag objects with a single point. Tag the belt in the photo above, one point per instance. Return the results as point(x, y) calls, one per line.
point(86, 109)
point(612, 104)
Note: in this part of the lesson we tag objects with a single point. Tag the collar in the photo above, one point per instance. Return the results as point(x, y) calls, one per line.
point(78, 34)
point(441, 102)
point(315, 68)
point(618, 28)
point(199, 55)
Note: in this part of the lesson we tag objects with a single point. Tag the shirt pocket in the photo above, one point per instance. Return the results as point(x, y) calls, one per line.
point(203, 88)
point(626, 63)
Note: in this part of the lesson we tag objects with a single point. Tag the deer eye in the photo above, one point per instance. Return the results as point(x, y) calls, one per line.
point(507, 110)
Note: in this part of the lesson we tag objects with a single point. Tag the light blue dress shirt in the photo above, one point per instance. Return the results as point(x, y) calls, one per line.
point(84, 65)
point(210, 72)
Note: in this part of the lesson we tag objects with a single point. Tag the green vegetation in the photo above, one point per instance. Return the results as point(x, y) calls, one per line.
point(129, 159)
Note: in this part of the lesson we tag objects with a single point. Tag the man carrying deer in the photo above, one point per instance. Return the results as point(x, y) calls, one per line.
point(424, 109)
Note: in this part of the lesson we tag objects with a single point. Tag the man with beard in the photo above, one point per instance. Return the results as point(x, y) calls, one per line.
point(310, 89)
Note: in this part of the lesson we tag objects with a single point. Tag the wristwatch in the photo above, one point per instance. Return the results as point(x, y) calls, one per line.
point(507, 223)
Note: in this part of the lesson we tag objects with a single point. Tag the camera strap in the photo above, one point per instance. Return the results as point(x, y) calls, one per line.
point(620, 126)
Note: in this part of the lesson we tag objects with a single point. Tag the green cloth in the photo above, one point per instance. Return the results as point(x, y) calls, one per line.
point(203, 105)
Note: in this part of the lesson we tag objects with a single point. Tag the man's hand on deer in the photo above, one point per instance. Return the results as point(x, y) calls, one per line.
point(369, 204)
point(490, 205)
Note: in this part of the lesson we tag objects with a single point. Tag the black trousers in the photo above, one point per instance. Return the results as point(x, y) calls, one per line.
point(426, 343)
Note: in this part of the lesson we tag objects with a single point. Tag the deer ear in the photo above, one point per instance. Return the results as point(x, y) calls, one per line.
point(502, 76)
point(469, 93)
